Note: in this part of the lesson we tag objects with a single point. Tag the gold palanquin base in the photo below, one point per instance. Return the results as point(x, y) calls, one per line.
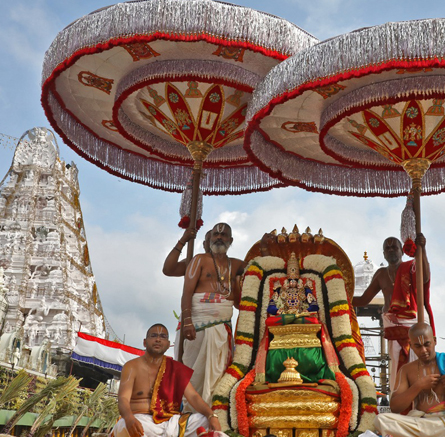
point(292, 413)
point(294, 432)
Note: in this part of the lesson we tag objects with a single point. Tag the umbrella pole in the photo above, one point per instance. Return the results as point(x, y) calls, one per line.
point(199, 151)
point(419, 257)
point(416, 168)
point(197, 168)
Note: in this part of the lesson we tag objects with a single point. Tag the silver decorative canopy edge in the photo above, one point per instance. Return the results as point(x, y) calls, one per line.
point(182, 17)
point(358, 50)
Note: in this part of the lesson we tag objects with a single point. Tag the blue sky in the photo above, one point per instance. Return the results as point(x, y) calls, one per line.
point(130, 228)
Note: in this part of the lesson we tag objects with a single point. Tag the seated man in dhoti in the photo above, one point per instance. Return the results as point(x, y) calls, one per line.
point(151, 391)
point(421, 385)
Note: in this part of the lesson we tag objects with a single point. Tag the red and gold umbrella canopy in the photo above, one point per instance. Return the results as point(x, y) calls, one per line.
point(350, 115)
point(131, 86)
point(342, 116)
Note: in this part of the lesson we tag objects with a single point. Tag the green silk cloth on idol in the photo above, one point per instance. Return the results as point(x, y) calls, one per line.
point(311, 362)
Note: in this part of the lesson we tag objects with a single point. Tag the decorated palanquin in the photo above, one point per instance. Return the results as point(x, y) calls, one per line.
point(298, 367)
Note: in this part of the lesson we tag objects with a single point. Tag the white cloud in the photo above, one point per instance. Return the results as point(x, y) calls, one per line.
point(326, 18)
point(27, 30)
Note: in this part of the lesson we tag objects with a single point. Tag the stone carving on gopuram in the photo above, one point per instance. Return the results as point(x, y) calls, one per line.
point(45, 272)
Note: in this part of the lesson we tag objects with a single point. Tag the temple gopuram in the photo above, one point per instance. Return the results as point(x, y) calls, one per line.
point(48, 291)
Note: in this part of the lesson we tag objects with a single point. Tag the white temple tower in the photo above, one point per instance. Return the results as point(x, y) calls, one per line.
point(372, 331)
point(363, 272)
point(50, 287)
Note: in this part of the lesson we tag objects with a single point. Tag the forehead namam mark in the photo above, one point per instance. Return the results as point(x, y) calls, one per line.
point(220, 227)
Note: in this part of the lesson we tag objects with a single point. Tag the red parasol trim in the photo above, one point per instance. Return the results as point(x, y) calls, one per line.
point(178, 160)
point(115, 42)
point(280, 147)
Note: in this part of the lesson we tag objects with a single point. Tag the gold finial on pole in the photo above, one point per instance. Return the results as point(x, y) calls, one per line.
point(199, 150)
point(416, 168)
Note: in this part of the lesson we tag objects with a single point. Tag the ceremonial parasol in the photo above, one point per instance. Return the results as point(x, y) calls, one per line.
point(132, 86)
point(350, 114)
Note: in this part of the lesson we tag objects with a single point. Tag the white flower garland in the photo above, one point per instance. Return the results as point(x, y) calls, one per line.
point(233, 407)
point(355, 404)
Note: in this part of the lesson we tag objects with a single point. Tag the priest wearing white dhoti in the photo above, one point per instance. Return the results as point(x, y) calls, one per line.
point(210, 292)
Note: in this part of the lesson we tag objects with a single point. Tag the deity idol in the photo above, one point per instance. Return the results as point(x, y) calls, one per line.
point(294, 303)
point(294, 295)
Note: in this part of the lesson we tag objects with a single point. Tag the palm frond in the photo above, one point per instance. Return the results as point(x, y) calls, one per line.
point(57, 397)
point(98, 394)
point(102, 408)
point(52, 387)
point(91, 404)
point(109, 414)
point(15, 387)
point(64, 409)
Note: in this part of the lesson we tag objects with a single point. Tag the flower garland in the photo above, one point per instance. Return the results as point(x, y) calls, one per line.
point(241, 405)
point(334, 312)
point(244, 337)
point(355, 403)
point(232, 404)
point(346, 405)
point(355, 397)
point(243, 344)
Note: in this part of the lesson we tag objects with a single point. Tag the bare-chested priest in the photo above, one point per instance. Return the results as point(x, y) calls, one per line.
point(210, 292)
point(421, 385)
point(151, 391)
point(398, 284)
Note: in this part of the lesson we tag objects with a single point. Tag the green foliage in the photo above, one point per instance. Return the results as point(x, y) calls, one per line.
point(56, 400)
point(90, 405)
point(63, 409)
point(15, 388)
point(53, 399)
point(109, 414)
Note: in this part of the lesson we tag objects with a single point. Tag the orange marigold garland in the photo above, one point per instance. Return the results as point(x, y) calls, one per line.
point(346, 405)
point(241, 404)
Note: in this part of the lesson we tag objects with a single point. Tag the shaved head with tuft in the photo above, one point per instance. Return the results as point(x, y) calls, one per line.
point(420, 329)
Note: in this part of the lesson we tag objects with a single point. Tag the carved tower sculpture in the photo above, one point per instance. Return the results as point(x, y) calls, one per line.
point(50, 287)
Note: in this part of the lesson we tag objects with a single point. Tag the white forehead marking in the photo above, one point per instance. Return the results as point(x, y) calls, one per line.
point(421, 339)
point(220, 227)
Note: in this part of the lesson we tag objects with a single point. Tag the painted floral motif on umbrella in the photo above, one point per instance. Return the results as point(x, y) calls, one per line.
point(364, 105)
point(131, 85)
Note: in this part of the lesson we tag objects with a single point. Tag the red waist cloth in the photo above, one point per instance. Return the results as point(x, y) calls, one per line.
point(404, 305)
point(168, 390)
point(404, 297)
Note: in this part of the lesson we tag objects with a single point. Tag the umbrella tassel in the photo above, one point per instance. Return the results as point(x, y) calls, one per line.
point(408, 227)
point(186, 207)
